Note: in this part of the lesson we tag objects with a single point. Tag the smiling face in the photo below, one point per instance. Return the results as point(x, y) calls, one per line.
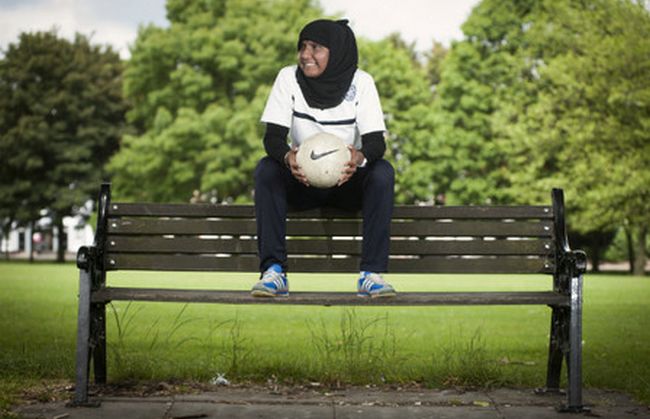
point(313, 58)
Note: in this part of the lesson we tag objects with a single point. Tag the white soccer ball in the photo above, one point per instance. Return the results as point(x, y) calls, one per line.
point(322, 158)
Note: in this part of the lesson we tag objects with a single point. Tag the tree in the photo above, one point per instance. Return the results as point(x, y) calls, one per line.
point(475, 77)
point(435, 58)
point(62, 114)
point(584, 124)
point(406, 100)
point(544, 94)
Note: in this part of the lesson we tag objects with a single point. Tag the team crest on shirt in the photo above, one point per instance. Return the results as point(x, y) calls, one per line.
point(351, 94)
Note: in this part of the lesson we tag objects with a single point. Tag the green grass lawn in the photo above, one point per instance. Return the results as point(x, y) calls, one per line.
point(436, 346)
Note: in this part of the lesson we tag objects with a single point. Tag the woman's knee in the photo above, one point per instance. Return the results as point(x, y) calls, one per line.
point(381, 173)
point(268, 170)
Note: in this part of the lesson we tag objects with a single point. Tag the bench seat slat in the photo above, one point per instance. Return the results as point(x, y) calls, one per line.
point(331, 298)
point(330, 228)
point(250, 263)
point(406, 211)
point(185, 244)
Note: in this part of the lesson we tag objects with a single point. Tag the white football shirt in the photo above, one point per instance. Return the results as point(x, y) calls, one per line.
point(358, 114)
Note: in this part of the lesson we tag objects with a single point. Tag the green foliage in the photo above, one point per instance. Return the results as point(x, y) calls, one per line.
point(544, 94)
point(435, 59)
point(620, 248)
point(475, 77)
point(61, 114)
point(584, 122)
point(591, 113)
point(407, 104)
point(198, 89)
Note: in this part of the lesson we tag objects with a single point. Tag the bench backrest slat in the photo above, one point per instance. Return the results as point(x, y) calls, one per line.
point(404, 211)
point(316, 227)
point(248, 245)
point(249, 263)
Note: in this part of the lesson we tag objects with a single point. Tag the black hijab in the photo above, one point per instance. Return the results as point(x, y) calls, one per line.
point(329, 89)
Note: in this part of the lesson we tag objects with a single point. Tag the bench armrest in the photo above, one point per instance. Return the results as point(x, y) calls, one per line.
point(87, 257)
point(576, 262)
point(571, 263)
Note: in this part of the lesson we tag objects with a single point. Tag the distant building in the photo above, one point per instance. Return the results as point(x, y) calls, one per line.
point(45, 236)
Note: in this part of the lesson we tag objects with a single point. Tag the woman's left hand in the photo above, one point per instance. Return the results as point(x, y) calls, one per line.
point(356, 159)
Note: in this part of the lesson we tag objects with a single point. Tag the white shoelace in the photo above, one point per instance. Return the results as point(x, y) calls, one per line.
point(371, 279)
point(275, 278)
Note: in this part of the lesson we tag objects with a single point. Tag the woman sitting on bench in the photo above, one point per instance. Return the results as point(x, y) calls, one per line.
point(325, 92)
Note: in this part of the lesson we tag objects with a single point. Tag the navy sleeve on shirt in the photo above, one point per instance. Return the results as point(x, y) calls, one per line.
point(275, 141)
point(373, 145)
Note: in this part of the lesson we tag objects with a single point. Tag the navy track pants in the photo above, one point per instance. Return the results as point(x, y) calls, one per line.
point(370, 189)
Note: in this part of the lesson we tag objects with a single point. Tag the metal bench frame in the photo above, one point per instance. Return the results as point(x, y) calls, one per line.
point(431, 239)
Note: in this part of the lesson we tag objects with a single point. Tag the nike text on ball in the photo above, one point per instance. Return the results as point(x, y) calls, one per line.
point(322, 159)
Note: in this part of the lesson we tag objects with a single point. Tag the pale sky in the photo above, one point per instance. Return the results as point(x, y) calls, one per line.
point(115, 22)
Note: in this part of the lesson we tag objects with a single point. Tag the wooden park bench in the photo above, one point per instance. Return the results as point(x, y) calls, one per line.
point(424, 239)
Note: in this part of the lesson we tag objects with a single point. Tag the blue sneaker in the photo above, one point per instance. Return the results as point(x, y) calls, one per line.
point(373, 285)
point(274, 283)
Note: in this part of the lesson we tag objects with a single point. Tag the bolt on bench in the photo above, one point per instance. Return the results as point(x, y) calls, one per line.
point(424, 239)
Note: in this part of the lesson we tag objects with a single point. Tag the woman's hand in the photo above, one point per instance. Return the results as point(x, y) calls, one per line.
point(296, 170)
point(356, 159)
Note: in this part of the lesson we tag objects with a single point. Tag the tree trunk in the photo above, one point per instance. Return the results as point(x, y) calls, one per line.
point(31, 242)
point(595, 259)
point(5, 237)
point(640, 256)
point(7, 248)
point(60, 254)
point(630, 248)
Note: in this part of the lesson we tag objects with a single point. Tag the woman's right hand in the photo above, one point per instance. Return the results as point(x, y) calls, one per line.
point(296, 171)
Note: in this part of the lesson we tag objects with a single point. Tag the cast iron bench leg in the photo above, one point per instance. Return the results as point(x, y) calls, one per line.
point(555, 352)
point(83, 337)
point(574, 396)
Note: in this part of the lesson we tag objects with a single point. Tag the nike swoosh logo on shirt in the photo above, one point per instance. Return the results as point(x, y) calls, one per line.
point(316, 156)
